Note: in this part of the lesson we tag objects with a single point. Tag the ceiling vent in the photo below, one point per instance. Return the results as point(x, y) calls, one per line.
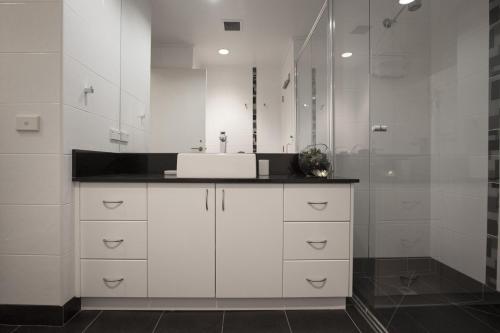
point(232, 25)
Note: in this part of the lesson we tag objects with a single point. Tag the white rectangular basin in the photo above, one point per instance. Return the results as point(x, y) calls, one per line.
point(192, 165)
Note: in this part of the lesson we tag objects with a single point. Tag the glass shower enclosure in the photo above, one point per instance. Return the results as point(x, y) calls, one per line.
point(416, 90)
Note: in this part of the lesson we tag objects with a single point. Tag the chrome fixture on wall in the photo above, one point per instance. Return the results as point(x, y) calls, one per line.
point(412, 7)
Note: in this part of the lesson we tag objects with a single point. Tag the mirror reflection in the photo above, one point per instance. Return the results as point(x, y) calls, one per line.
point(223, 76)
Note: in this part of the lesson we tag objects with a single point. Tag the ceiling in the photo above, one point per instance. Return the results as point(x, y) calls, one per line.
point(266, 29)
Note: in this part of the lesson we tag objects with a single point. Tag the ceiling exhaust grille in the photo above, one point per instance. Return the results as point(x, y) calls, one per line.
point(232, 26)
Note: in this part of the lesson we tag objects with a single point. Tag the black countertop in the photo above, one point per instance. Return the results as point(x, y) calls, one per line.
point(158, 178)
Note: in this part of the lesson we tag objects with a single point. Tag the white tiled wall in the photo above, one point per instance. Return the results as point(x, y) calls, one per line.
point(459, 91)
point(31, 221)
point(50, 51)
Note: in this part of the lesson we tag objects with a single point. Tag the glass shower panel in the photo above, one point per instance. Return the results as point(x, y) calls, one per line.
point(433, 233)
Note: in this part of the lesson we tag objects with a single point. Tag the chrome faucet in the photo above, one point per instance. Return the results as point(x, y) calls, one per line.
point(223, 142)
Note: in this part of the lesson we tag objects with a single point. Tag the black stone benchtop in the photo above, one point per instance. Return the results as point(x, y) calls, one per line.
point(273, 179)
point(102, 167)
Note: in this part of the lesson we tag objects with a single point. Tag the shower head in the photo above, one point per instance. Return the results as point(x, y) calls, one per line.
point(412, 7)
point(415, 5)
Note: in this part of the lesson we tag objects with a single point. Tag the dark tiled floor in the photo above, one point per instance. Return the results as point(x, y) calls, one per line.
point(204, 322)
point(440, 299)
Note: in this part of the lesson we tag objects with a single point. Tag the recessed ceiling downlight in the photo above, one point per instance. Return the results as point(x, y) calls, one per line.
point(405, 2)
point(223, 51)
point(346, 55)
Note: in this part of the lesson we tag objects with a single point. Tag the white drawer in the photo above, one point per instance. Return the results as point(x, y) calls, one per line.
point(317, 240)
point(327, 278)
point(114, 278)
point(113, 240)
point(317, 202)
point(109, 201)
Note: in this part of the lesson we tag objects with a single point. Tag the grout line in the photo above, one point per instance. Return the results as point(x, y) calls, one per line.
point(15, 329)
point(288, 322)
point(356, 325)
point(476, 318)
point(93, 321)
point(158, 322)
point(223, 319)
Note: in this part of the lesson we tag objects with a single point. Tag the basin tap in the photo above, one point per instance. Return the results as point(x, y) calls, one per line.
point(223, 142)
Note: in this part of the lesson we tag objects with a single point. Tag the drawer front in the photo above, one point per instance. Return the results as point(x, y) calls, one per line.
point(113, 240)
point(114, 278)
point(115, 202)
point(317, 240)
point(317, 202)
point(329, 278)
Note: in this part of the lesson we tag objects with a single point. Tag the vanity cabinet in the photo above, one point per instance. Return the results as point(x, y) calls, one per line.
point(181, 240)
point(249, 238)
point(215, 241)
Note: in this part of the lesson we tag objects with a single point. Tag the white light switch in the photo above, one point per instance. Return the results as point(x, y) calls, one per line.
point(28, 122)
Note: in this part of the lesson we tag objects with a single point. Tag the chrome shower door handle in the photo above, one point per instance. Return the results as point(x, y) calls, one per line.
point(380, 128)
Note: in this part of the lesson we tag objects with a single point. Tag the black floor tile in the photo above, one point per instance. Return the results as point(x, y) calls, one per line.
point(7, 328)
point(255, 321)
point(402, 322)
point(125, 322)
point(71, 308)
point(75, 325)
point(190, 322)
point(359, 321)
point(447, 319)
point(321, 322)
point(490, 319)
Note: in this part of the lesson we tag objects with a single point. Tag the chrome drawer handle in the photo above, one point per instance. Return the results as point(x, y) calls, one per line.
point(115, 243)
point(116, 281)
point(106, 203)
point(206, 200)
point(315, 282)
point(317, 203)
point(318, 245)
point(223, 200)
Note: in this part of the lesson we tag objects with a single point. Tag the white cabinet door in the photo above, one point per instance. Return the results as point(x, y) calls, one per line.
point(249, 238)
point(181, 240)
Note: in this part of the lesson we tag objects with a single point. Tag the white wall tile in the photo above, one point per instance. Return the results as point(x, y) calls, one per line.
point(31, 26)
point(136, 48)
point(30, 280)
point(402, 239)
point(30, 179)
point(32, 230)
point(92, 35)
point(133, 110)
point(47, 140)
point(67, 227)
point(105, 101)
point(67, 277)
point(30, 78)
point(84, 130)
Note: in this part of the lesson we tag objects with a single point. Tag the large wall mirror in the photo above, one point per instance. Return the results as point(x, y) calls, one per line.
point(235, 74)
